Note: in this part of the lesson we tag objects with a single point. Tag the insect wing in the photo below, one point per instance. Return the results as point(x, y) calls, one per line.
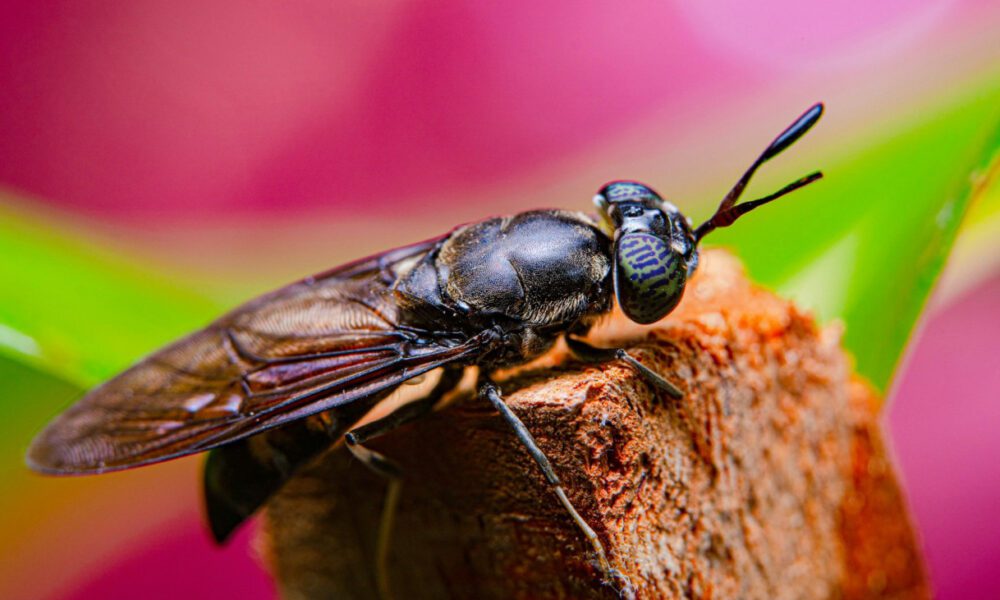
point(306, 348)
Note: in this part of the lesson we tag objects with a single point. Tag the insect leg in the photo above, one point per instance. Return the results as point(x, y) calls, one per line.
point(388, 469)
point(585, 352)
point(491, 392)
point(450, 377)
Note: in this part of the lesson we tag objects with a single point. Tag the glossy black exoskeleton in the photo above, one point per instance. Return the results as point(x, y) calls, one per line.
point(276, 381)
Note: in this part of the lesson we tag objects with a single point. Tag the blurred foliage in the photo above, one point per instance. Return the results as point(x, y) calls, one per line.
point(865, 245)
point(80, 312)
point(985, 211)
point(38, 394)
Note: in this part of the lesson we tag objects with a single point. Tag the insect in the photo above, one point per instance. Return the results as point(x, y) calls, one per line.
point(276, 381)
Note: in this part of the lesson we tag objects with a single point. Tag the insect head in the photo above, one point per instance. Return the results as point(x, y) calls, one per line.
point(655, 246)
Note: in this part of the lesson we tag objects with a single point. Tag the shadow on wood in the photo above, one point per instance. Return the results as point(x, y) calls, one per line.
point(767, 480)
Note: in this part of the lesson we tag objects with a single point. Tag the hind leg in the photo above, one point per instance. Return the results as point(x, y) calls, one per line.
point(387, 468)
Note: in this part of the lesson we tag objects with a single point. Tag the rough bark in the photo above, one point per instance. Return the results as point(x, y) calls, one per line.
point(767, 480)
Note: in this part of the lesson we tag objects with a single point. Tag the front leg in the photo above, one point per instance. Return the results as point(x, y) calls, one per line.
point(587, 353)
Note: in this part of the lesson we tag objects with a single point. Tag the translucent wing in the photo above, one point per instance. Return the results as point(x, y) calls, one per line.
point(317, 344)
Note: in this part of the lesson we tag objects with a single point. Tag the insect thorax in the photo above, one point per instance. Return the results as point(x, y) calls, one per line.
point(540, 268)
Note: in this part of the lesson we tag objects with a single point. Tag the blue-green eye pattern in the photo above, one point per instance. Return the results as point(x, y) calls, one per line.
point(649, 277)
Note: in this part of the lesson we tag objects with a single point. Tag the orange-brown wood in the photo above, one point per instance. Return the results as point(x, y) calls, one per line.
point(767, 480)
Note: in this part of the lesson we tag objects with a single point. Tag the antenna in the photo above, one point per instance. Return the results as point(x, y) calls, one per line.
point(727, 213)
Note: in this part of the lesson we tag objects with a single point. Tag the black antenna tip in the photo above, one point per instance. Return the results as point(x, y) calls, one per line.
point(814, 176)
point(794, 131)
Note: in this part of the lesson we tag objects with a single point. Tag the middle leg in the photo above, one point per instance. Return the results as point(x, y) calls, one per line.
point(612, 576)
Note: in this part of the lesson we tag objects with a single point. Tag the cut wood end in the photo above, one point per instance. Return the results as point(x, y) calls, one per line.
point(767, 480)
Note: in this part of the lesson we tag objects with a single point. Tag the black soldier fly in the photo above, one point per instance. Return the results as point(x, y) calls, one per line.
point(271, 384)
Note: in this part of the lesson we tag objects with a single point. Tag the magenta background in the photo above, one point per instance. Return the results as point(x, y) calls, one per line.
point(943, 424)
point(182, 109)
point(153, 119)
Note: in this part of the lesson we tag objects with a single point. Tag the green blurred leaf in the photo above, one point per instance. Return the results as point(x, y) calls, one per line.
point(866, 244)
point(33, 397)
point(81, 313)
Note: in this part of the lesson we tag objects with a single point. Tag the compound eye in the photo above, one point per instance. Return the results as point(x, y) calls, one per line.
point(649, 277)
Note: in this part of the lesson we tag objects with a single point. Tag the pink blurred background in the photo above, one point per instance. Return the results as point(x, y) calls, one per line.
point(246, 144)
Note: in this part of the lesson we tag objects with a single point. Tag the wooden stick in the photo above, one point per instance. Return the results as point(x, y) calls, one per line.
point(767, 480)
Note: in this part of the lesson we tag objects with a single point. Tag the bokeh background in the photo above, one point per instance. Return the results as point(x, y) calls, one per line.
point(161, 160)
